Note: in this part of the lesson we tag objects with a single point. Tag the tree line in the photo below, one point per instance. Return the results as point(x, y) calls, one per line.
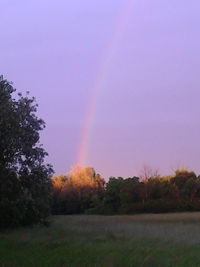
point(29, 193)
point(86, 192)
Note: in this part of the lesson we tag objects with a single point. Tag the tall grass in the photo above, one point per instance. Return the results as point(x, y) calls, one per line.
point(139, 240)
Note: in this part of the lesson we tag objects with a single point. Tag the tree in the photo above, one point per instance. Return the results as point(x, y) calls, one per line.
point(112, 195)
point(24, 177)
point(130, 191)
point(148, 172)
point(181, 179)
point(78, 191)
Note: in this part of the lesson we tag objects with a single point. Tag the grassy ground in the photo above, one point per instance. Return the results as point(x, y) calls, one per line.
point(140, 240)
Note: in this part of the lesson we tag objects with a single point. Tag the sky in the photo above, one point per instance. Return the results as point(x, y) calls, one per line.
point(117, 81)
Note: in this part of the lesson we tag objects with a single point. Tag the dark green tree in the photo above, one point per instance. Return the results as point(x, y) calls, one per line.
point(24, 177)
point(112, 195)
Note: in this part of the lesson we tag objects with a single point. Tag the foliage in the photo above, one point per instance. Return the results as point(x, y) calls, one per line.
point(77, 192)
point(24, 177)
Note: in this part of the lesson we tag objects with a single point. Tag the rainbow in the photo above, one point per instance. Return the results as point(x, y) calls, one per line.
point(102, 77)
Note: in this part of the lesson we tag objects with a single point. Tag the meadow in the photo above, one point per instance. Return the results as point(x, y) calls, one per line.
point(136, 240)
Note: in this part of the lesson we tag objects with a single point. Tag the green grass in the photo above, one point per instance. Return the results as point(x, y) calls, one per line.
point(140, 240)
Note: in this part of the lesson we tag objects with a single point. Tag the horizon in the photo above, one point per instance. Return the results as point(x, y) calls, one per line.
point(116, 82)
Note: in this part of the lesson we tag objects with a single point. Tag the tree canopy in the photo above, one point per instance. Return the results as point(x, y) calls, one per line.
point(24, 176)
point(78, 193)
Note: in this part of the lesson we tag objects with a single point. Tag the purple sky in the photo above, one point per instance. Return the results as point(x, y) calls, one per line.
point(149, 107)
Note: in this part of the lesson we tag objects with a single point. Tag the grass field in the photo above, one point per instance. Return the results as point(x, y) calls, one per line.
point(139, 240)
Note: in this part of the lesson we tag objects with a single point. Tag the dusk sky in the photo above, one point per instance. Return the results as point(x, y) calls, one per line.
point(117, 81)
